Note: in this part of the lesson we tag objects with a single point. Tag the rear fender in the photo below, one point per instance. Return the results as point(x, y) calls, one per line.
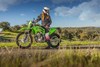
point(52, 30)
point(37, 29)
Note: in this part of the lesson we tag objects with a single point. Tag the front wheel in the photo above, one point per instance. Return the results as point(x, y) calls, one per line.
point(24, 40)
point(54, 41)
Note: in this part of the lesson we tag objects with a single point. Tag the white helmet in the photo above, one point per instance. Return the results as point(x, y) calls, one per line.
point(46, 10)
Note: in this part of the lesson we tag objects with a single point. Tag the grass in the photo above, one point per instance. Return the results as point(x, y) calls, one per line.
point(8, 44)
point(10, 57)
point(63, 43)
point(50, 58)
point(8, 34)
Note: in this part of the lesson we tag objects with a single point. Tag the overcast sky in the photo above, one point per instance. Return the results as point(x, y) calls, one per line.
point(64, 13)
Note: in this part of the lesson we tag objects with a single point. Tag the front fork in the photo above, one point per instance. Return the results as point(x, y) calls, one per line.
point(26, 36)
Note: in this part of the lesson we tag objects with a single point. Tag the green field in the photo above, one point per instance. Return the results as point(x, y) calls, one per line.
point(12, 36)
point(50, 58)
point(16, 57)
point(63, 43)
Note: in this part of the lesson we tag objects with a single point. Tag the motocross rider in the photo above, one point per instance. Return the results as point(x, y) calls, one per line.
point(46, 21)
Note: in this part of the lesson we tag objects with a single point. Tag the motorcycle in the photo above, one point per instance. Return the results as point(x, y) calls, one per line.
point(25, 38)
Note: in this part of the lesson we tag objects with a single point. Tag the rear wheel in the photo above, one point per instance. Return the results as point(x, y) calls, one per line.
point(54, 41)
point(24, 40)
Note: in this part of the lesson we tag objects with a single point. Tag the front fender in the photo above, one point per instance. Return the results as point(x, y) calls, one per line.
point(52, 30)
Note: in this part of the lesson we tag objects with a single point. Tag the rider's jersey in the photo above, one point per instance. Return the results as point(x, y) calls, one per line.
point(46, 19)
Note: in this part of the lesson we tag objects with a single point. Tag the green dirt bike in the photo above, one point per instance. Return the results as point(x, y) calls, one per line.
point(25, 38)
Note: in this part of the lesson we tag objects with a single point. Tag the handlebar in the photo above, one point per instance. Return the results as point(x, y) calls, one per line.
point(32, 23)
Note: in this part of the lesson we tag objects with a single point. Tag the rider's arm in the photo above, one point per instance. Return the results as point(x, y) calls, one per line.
point(50, 20)
point(38, 18)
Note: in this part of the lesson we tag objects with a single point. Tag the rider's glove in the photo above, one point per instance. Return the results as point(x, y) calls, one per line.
point(34, 21)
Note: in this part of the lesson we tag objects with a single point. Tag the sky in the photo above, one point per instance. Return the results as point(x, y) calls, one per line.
point(64, 13)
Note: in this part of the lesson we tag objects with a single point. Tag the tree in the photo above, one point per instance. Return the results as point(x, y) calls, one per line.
point(5, 25)
point(15, 28)
point(24, 25)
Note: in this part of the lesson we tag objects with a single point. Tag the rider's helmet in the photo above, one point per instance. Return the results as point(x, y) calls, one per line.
point(46, 10)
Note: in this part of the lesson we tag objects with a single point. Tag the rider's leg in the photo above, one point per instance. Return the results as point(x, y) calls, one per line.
point(47, 32)
point(47, 35)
